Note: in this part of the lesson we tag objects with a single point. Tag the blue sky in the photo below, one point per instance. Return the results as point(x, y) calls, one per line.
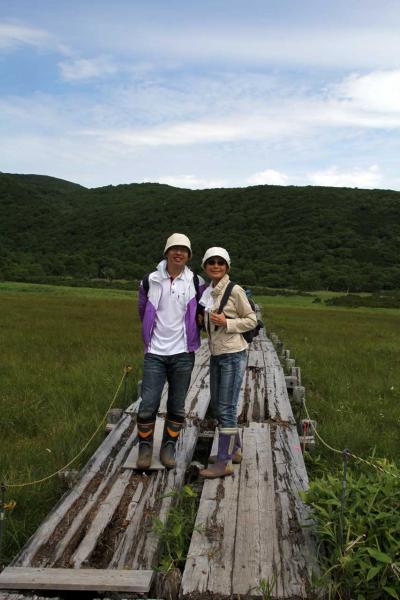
point(202, 94)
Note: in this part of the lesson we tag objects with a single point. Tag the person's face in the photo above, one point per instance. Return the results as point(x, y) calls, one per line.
point(216, 268)
point(177, 256)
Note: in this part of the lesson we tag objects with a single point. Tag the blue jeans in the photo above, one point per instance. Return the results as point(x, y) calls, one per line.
point(157, 369)
point(226, 376)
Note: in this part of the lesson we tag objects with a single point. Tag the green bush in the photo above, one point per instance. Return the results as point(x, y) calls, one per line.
point(175, 534)
point(359, 548)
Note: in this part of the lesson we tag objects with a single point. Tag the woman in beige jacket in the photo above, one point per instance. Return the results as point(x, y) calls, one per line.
point(228, 356)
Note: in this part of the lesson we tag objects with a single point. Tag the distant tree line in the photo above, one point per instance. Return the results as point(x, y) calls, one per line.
point(291, 237)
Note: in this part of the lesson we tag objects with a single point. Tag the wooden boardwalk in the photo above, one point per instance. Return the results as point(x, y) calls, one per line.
point(250, 526)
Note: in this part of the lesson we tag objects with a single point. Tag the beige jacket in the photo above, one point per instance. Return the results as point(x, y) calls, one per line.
point(240, 318)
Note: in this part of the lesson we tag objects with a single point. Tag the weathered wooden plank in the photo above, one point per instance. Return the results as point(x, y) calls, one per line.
point(297, 541)
point(147, 543)
point(125, 542)
point(255, 357)
point(279, 407)
point(240, 410)
point(75, 579)
point(14, 596)
point(133, 543)
point(209, 565)
point(256, 550)
point(101, 520)
point(76, 523)
point(198, 396)
point(56, 540)
point(99, 463)
point(255, 394)
point(156, 464)
point(235, 542)
point(263, 538)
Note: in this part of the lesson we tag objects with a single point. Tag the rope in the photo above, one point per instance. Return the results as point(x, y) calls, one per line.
point(127, 370)
point(349, 454)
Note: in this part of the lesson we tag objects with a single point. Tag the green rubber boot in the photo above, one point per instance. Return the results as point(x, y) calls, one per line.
point(146, 438)
point(171, 433)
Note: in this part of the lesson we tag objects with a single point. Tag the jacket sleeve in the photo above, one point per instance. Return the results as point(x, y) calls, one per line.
point(142, 301)
point(246, 318)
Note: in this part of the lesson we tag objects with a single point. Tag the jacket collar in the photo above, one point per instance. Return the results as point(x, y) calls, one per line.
point(161, 272)
point(221, 285)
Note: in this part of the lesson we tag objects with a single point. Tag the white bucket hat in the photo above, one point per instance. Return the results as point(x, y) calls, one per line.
point(178, 239)
point(216, 251)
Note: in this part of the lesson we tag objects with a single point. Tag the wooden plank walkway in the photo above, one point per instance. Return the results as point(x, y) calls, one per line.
point(249, 527)
point(105, 521)
point(100, 580)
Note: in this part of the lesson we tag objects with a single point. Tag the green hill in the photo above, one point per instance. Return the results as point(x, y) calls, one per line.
point(299, 237)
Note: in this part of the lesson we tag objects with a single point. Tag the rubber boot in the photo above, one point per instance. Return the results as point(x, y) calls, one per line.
point(146, 438)
point(172, 429)
point(223, 466)
point(236, 456)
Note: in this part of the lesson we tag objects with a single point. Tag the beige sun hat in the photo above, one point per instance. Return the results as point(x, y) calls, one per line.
point(178, 239)
point(216, 251)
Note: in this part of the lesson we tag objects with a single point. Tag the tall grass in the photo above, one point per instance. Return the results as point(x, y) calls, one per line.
point(349, 361)
point(62, 353)
point(61, 359)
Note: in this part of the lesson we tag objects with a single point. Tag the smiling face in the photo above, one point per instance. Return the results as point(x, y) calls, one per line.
point(215, 267)
point(177, 257)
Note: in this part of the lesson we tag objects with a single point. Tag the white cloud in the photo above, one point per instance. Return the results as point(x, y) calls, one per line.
point(192, 182)
point(233, 123)
point(268, 177)
point(13, 35)
point(356, 177)
point(377, 91)
point(86, 69)
point(233, 110)
point(352, 47)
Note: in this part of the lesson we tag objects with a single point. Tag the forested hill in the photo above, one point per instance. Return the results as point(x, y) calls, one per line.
point(299, 237)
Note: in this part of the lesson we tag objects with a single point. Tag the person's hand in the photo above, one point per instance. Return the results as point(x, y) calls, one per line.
point(219, 320)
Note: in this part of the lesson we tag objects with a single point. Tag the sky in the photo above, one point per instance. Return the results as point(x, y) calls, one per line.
point(210, 93)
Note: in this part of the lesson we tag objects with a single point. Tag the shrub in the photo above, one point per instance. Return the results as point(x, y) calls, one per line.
point(360, 549)
point(175, 534)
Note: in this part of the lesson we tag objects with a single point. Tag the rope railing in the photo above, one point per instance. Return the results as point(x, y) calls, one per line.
point(127, 370)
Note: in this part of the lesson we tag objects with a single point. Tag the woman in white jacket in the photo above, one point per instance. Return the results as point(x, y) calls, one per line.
point(228, 356)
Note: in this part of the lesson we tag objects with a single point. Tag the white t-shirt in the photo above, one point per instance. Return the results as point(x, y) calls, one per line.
point(169, 335)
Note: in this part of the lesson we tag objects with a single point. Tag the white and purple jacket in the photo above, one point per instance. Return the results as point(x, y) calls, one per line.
point(148, 304)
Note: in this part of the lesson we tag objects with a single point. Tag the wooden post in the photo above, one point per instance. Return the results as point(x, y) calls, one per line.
point(296, 372)
point(298, 395)
point(274, 338)
point(291, 382)
point(113, 416)
point(290, 363)
point(307, 439)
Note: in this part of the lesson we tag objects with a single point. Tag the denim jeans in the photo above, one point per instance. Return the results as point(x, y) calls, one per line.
point(226, 376)
point(177, 370)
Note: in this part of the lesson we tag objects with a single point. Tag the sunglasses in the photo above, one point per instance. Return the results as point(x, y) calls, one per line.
point(216, 261)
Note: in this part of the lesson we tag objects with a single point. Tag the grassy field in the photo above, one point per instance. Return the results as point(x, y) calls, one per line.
point(62, 354)
point(349, 360)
